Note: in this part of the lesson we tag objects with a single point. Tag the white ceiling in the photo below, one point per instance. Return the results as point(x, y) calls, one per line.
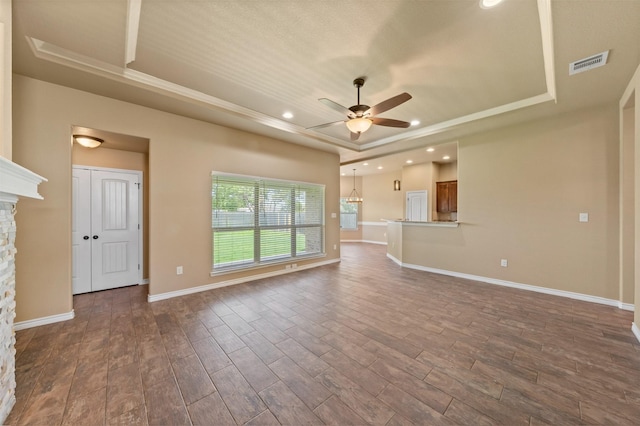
point(243, 63)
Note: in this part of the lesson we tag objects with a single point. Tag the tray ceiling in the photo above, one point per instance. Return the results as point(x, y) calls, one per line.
point(244, 63)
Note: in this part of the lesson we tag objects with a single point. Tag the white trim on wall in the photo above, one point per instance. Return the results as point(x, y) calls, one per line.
point(384, 243)
point(191, 290)
point(626, 306)
point(15, 180)
point(520, 286)
point(373, 223)
point(37, 322)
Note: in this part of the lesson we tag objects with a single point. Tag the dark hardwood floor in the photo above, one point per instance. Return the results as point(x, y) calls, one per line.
point(360, 342)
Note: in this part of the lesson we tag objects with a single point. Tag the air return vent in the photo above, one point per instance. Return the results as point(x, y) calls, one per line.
point(589, 63)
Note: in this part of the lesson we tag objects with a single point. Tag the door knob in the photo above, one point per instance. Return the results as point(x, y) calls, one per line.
point(95, 237)
point(86, 237)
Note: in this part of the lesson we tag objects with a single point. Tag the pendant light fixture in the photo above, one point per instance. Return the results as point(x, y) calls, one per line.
point(354, 197)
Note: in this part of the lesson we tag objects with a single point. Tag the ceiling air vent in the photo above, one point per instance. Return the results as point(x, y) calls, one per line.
point(589, 63)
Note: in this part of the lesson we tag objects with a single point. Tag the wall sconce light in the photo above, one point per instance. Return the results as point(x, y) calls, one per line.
point(88, 141)
point(396, 185)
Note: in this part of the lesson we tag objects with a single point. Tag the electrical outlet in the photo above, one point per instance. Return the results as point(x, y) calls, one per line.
point(583, 217)
point(504, 263)
point(287, 266)
point(294, 265)
point(335, 247)
point(179, 270)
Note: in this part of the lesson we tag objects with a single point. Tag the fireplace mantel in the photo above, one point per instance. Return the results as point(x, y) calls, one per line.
point(16, 181)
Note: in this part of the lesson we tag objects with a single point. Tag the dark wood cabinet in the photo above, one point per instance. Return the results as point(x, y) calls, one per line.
point(447, 196)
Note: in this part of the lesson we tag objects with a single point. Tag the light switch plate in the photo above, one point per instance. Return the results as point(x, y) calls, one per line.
point(584, 217)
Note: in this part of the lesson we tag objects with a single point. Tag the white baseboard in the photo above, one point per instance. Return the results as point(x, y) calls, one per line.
point(635, 330)
point(43, 321)
point(384, 243)
point(145, 281)
point(626, 306)
point(177, 293)
point(520, 286)
point(397, 261)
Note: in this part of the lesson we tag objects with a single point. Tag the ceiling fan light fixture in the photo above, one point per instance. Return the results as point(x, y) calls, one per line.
point(359, 124)
point(88, 141)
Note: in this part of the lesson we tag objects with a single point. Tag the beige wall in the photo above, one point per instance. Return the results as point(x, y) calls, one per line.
point(381, 201)
point(5, 80)
point(182, 154)
point(447, 171)
point(521, 190)
point(119, 159)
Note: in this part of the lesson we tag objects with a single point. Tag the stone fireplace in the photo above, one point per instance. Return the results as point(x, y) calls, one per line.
point(15, 182)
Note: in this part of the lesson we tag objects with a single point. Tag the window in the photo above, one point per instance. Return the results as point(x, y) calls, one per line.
point(348, 215)
point(259, 221)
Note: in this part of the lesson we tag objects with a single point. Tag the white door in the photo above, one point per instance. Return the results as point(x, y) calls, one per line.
point(417, 206)
point(81, 231)
point(111, 257)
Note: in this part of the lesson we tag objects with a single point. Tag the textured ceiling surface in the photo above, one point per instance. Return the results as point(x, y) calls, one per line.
point(244, 63)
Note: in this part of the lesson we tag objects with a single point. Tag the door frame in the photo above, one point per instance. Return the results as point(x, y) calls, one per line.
point(140, 209)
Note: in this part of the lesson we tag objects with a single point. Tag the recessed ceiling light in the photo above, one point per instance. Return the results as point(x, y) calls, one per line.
point(446, 157)
point(287, 114)
point(430, 149)
point(415, 122)
point(365, 164)
point(409, 161)
point(380, 167)
point(488, 4)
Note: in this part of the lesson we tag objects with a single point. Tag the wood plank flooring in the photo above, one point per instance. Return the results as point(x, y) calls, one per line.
point(360, 342)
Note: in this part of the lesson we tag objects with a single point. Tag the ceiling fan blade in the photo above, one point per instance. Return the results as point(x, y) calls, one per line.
point(320, 126)
point(388, 104)
point(336, 107)
point(354, 136)
point(390, 122)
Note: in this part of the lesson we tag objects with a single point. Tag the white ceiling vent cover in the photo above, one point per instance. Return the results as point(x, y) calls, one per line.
point(589, 63)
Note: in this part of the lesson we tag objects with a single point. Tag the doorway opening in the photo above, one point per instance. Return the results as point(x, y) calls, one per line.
point(110, 212)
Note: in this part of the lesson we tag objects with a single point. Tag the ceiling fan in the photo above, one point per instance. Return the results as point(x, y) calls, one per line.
point(361, 117)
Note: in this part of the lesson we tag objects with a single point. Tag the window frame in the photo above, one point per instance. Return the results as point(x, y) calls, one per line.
point(262, 186)
point(357, 212)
